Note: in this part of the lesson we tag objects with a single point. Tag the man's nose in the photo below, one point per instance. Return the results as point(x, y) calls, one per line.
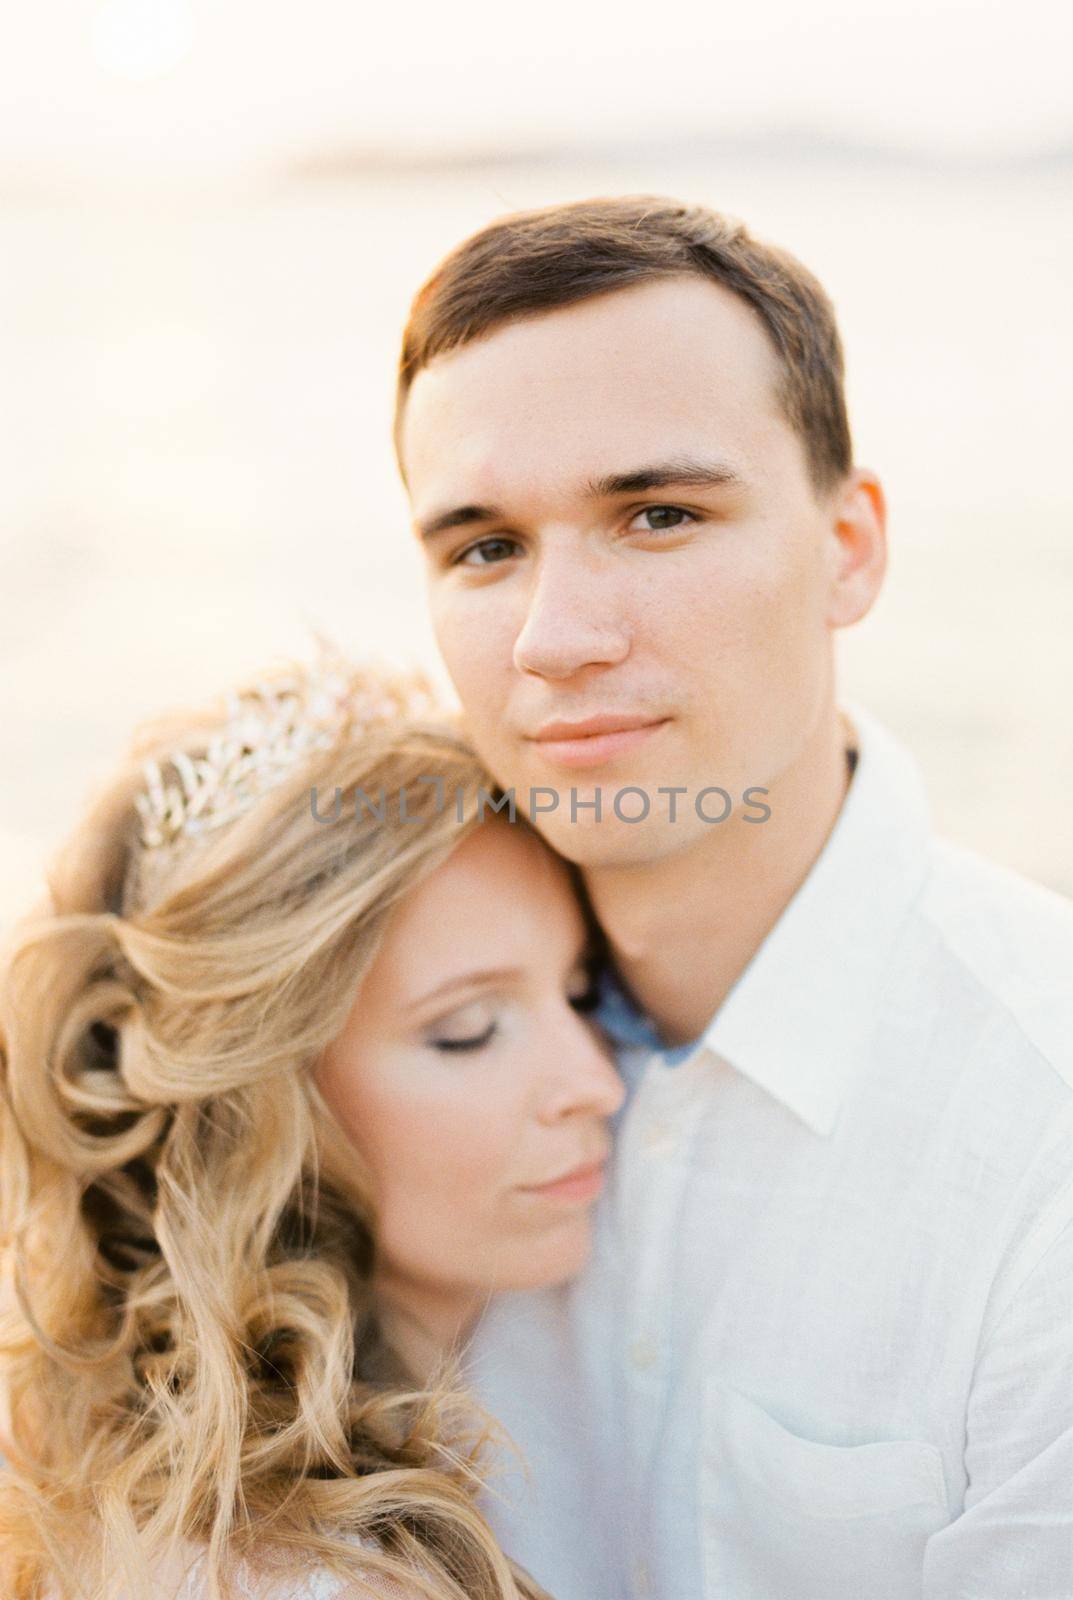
point(573, 620)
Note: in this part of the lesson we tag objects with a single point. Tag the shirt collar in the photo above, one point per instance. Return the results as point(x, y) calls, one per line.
point(797, 1020)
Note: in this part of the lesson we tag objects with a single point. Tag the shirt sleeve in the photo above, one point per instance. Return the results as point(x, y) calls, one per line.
point(1015, 1535)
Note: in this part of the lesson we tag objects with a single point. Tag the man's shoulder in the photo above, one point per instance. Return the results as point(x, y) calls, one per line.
point(1013, 938)
point(999, 920)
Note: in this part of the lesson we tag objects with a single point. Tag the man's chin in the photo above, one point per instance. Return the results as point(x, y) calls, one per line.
point(610, 842)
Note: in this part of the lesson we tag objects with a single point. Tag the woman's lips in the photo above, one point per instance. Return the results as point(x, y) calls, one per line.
point(584, 1184)
point(593, 749)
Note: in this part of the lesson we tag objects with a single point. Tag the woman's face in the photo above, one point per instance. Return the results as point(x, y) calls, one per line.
point(476, 1092)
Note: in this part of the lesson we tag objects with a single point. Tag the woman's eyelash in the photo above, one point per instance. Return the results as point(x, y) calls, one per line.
point(473, 1042)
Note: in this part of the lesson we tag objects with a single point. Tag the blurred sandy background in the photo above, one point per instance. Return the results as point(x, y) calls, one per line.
point(212, 219)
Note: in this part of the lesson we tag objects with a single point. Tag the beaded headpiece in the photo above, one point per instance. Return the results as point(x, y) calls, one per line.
point(270, 728)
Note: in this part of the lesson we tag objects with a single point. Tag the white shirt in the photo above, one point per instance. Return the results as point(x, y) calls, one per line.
point(824, 1349)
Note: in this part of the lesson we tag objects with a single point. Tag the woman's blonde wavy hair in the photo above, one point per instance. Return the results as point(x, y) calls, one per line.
point(189, 1347)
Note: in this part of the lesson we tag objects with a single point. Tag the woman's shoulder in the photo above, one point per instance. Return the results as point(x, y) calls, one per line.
point(319, 1584)
point(276, 1578)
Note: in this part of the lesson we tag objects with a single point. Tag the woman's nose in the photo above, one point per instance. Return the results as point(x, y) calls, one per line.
point(582, 1075)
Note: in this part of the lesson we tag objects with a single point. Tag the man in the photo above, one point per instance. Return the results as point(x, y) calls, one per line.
point(825, 1346)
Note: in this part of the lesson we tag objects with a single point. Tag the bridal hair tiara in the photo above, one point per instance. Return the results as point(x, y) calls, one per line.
point(270, 729)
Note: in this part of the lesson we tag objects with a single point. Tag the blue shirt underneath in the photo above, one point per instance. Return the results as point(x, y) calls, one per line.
point(620, 1019)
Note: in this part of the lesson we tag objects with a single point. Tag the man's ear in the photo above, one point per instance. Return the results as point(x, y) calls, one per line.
point(858, 547)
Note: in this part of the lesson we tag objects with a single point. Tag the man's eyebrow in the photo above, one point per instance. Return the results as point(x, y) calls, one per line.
point(456, 517)
point(684, 472)
point(681, 471)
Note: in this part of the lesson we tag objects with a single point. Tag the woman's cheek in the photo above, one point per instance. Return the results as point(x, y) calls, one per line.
point(452, 1130)
point(472, 1143)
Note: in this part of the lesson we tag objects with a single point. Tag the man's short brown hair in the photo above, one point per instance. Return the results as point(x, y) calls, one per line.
point(535, 261)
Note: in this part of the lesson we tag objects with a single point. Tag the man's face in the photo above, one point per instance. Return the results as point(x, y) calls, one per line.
point(619, 523)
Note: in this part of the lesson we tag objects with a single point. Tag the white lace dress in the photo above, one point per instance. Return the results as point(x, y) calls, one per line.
point(276, 1583)
point(186, 1580)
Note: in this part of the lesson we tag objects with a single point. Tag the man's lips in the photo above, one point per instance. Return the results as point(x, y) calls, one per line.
point(593, 741)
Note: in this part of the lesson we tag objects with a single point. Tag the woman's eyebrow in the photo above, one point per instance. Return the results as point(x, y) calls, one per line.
point(480, 979)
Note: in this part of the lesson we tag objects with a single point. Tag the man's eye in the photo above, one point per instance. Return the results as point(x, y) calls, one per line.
point(660, 518)
point(486, 552)
point(470, 1041)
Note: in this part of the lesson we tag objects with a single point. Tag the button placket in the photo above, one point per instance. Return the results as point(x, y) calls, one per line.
point(658, 1139)
point(654, 1190)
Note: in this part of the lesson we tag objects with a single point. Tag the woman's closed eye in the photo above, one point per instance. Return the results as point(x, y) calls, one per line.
point(583, 992)
point(473, 1041)
point(470, 1028)
point(586, 1002)
point(473, 1026)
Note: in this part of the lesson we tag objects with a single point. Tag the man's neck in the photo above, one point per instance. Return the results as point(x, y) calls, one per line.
point(684, 927)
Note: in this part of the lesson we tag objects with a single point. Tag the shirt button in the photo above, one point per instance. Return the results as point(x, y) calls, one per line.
point(643, 1354)
point(658, 1139)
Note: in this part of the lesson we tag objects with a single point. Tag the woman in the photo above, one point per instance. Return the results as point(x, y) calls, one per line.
point(296, 1074)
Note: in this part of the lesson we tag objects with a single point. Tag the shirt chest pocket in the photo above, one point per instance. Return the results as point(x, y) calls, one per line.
point(787, 1518)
